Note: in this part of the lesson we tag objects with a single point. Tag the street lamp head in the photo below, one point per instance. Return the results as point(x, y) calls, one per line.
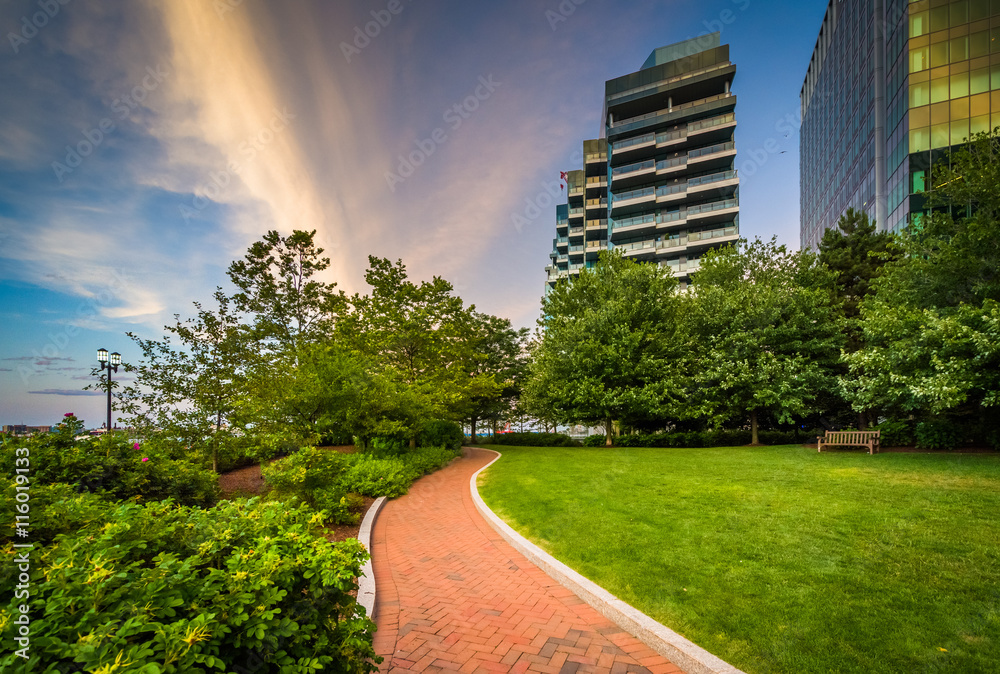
point(116, 358)
point(102, 356)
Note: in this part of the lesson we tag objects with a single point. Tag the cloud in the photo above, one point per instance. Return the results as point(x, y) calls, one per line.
point(65, 392)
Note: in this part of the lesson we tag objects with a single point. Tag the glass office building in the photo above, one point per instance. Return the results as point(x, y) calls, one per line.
point(892, 85)
point(660, 183)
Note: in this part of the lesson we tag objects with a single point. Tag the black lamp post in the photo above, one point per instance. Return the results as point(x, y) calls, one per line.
point(107, 364)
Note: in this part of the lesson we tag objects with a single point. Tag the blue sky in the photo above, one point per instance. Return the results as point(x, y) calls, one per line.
point(144, 145)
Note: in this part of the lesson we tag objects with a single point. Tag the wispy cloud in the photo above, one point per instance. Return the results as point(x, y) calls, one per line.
point(65, 392)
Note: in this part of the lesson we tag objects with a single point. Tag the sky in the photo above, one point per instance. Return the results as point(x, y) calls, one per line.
point(145, 144)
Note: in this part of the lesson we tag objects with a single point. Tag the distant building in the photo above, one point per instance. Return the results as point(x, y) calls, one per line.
point(21, 429)
point(660, 183)
point(891, 86)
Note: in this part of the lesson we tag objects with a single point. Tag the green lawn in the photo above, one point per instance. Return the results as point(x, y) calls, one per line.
point(779, 559)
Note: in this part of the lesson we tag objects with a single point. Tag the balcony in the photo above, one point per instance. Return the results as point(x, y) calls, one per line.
point(704, 125)
point(576, 231)
point(671, 218)
point(637, 248)
point(712, 180)
point(703, 210)
point(671, 165)
point(597, 181)
point(596, 158)
point(646, 140)
point(671, 192)
point(633, 197)
point(706, 153)
point(639, 168)
point(597, 203)
point(575, 190)
point(597, 225)
point(679, 268)
point(671, 80)
point(638, 222)
point(619, 126)
point(670, 137)
point(710, 234)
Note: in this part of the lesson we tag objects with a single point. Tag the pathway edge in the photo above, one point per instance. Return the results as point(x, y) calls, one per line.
point(366, 581)
point(684, 653)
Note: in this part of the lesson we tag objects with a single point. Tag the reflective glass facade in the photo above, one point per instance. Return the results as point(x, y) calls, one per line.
point(941, 84)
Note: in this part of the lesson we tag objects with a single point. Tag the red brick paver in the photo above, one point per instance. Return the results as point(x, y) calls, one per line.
point(452, 595)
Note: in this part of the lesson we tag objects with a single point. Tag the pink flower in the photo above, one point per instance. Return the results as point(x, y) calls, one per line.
point(69, 414)
point(145, 458)
point(136, 446)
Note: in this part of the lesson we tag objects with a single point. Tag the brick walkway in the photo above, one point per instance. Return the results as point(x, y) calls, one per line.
point(452, 595)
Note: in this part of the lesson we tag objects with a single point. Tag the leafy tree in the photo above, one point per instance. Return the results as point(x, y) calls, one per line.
point(766, 332)
point(498, 351)
point(931, 328)
point(192, 390)
point(856, 253)
point(611, 346)
point(328, 389)
point(277, 289)
point(422, 336)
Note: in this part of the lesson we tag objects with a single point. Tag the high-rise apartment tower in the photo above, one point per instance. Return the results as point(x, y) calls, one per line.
point(659, 184)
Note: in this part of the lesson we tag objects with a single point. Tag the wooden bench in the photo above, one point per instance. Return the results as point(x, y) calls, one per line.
point(867, 439)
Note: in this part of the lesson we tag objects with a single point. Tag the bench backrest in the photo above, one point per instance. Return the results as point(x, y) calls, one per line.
point(851, 437)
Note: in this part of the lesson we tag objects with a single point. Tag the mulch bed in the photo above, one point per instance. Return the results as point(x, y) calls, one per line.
point(246, 482)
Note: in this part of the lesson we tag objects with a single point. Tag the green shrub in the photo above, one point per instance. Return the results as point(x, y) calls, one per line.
point(895, 434)
point(371, 476)
point(442, 433)
point(937, 434)
point(532, 440)
point(594, 441)
point(53, 509)
point(780, 437)
point(426, 460)
point(167, 588)
point(114, 467)
point(343, 508)
point(314, 476)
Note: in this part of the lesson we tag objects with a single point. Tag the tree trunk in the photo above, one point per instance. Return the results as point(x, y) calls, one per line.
point(215, 442)
point(472, 434)
point(413, 442)
point(608, 429)
point(753, 428)
point(862, 420)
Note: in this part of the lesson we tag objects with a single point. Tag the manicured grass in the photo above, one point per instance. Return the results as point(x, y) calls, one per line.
point(779, 559)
